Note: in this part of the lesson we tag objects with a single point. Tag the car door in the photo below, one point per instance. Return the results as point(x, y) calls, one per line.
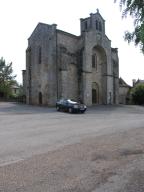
point(65, 105)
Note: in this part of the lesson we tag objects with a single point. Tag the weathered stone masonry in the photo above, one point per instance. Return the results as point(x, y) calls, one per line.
point(63, 65)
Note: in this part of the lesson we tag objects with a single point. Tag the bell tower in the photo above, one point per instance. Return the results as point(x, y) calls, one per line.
point(93, 23)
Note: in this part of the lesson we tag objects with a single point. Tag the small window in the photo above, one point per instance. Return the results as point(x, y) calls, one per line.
point(94, 61)
point(39, 55)
point(28, 56)
point(86, 25)
point(96, 25)
point(100, 26)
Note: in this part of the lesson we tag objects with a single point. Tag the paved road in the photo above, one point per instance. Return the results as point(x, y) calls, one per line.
point(28, 130)
point(28, 133)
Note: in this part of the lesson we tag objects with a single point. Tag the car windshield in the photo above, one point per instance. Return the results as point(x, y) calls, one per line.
point(70, 101)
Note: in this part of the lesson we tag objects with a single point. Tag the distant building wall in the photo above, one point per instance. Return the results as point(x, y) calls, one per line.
point(124, 92)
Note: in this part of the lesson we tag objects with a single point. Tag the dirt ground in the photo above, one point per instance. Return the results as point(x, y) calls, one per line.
point(108, 163)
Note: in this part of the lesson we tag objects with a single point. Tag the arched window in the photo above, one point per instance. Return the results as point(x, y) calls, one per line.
point(86, 25)
point(96, 24)
point(100, 26)
point(94, 61)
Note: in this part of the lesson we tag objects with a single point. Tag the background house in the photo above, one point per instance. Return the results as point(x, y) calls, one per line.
point(124, 92)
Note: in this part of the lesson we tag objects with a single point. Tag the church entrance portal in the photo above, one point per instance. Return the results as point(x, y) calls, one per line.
point(99, 75)
point(95, 93)
point(94, 96)
point(40, 98)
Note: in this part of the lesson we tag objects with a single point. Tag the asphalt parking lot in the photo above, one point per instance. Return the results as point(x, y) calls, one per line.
point(28, 132)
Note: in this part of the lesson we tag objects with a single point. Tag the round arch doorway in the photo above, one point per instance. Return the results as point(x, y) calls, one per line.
point(40, 98)
point(99, 75)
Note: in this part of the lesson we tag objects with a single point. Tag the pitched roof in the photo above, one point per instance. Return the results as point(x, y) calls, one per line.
point(122, 83)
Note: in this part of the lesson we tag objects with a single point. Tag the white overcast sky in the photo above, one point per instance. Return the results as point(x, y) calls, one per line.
point(18, 18)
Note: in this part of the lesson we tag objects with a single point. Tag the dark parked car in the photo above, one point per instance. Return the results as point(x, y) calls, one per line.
point(70, 106)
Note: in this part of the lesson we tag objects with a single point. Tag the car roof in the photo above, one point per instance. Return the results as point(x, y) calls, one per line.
point(69, 100)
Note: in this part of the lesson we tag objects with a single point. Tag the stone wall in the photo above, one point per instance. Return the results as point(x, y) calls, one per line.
point(67, 64)
point(123, 94)
point(115, 72)
point(103, 78)
point(42, 64)
point(24, 81)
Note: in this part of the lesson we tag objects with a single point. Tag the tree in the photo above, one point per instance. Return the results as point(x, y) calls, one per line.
point(134, 8)
point(137, 94)
point(7, 79)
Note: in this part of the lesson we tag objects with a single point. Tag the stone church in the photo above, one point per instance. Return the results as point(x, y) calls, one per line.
point(63, 65)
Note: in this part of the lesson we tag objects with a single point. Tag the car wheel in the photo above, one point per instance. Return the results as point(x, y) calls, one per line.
point(70, 110)
point(83, 111)
point(58, 108)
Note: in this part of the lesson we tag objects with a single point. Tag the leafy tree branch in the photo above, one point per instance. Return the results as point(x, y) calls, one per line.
point(134, 8)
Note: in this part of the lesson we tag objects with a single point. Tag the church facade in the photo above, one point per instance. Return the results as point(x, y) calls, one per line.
point(63, 65)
